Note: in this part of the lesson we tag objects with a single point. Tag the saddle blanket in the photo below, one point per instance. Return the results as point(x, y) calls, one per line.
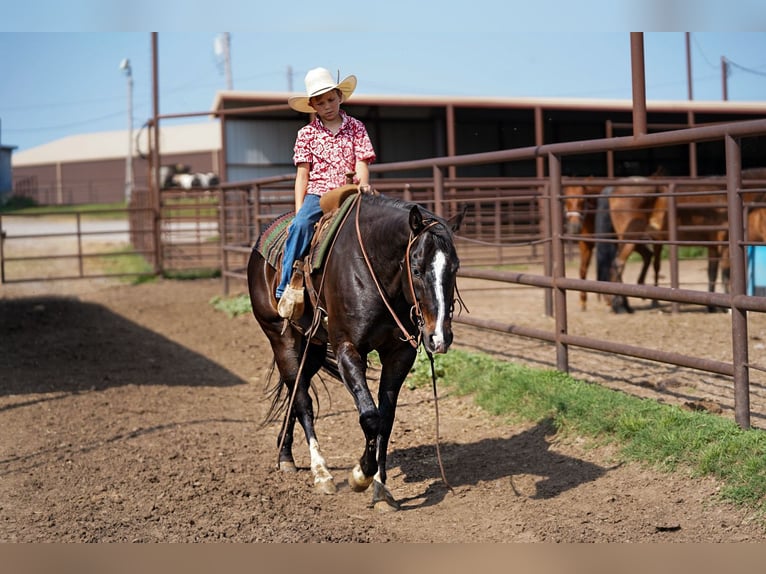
point(271, 243)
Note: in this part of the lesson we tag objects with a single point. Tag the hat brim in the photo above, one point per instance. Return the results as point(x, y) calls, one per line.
point(301, 103)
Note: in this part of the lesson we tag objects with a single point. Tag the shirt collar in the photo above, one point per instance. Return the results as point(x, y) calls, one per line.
point(344, 121)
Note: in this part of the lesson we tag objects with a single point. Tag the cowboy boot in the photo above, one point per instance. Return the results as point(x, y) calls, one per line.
point(291, 303)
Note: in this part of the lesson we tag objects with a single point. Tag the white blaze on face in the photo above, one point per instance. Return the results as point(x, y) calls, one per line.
point(439, 265)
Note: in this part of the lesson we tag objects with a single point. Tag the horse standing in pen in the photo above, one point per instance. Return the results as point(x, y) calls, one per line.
point(386, 284)
point(580, 205)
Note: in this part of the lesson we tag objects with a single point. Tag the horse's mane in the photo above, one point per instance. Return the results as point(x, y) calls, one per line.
point(442, 232)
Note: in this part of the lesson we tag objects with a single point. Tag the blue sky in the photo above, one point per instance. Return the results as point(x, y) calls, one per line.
point(54, 84)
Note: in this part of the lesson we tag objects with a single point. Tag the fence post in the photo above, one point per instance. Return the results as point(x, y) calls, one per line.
point(557, 248)
point(438, 191)
point(738, 287)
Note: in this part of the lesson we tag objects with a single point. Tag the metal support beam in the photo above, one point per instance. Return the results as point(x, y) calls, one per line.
point(639, 83)
point(738, 286)
point(557, 247)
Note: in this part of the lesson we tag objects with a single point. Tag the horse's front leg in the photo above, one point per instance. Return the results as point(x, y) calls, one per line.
point(586, 252)
point(354, 374)
point(395, 366)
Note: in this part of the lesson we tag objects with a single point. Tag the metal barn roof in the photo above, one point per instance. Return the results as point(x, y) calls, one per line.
point(226, 99)
point(188, 138)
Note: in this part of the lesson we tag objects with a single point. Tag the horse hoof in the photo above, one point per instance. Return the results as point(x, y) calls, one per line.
point(357, 481)
point(325, 486)
point(382, 500)
point(287, 466)
point(384, 506)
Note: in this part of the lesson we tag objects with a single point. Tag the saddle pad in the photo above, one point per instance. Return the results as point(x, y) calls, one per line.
point(271, 243)
point(325, 232)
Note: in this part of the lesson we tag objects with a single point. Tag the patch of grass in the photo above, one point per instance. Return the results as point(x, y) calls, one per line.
point(24, 206)
point(191, 274)
point(190, 207)
point(232, 306)
point(664, 436)
point(124, 262)
point(17, 204)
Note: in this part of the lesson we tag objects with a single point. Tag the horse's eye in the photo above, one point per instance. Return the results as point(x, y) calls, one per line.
point(415, 272)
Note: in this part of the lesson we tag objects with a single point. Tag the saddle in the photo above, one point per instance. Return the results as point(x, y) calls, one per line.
point(335, 205)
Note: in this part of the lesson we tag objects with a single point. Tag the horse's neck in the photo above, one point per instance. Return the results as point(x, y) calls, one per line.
point(385, 235)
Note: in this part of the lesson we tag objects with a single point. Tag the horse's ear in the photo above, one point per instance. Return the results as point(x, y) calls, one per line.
point(457, 219)
point(416, 220)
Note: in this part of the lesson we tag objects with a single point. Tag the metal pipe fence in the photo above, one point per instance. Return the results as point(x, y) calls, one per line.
point(549, 239)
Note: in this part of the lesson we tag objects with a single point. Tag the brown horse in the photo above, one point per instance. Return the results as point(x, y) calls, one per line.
point(386, 285)
point(580, 206)
point(631, 208)
point(702, 216)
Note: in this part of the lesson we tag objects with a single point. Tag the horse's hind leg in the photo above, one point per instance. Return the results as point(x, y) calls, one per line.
point(285, 445)
point(288, 352)
point(303, 411)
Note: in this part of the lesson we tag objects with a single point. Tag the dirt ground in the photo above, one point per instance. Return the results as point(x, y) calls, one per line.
point(131, 414)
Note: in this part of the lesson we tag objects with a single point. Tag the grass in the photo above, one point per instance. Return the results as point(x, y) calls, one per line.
point(23, 206)
point(666, 437)
point(232, 306)
point(124, 261)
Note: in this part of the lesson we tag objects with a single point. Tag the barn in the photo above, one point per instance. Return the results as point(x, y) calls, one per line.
point(255, 134)
point(91, 167)
point(259, 131)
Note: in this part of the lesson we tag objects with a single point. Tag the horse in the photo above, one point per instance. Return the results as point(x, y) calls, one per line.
point(580, 219)
point(703, 217)
point(633, 216)
point(388, 285)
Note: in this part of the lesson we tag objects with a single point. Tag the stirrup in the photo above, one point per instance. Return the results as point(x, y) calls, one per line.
point(291, 303)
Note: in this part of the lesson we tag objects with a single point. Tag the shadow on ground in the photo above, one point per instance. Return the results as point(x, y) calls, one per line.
point(526, 453)
point(58, 344)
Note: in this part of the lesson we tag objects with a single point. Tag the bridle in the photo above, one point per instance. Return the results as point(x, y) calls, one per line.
point(416, 315)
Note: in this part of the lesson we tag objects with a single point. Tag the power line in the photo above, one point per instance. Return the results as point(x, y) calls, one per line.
point(65, 126)
point(744, 69)
point(702, 53)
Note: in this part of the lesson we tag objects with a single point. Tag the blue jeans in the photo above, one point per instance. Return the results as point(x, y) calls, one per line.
point(299, 238)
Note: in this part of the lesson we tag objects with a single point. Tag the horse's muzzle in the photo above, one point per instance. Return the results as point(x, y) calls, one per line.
point(438, 343)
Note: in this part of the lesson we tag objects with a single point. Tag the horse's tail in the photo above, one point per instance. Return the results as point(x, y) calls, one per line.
point(279, 396)
point(330, 364)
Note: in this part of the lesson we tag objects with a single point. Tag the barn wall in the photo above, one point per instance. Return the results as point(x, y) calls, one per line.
point(95, 181)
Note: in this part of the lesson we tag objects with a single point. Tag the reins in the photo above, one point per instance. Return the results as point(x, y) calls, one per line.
point(416, 313)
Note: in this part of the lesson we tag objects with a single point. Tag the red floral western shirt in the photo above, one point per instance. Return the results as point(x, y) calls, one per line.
point(332, 156)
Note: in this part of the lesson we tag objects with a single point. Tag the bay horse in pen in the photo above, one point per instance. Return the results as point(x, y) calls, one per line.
point(580, 209)
point(386, 284)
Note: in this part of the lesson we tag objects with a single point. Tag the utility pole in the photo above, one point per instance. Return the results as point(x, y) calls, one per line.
point(125, 67)
point(724, 77)
point(689, 66)
point(222, 47)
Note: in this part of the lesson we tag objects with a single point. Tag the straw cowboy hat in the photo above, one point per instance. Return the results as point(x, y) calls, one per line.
point(320, 81)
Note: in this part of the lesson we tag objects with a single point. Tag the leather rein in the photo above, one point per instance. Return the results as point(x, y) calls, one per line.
point(416, 314)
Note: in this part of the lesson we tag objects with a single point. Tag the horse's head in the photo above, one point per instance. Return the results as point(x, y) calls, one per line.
point(432, 265)
point(574, 208)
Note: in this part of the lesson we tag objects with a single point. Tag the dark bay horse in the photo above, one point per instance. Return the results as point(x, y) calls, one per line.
point(387, 285)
